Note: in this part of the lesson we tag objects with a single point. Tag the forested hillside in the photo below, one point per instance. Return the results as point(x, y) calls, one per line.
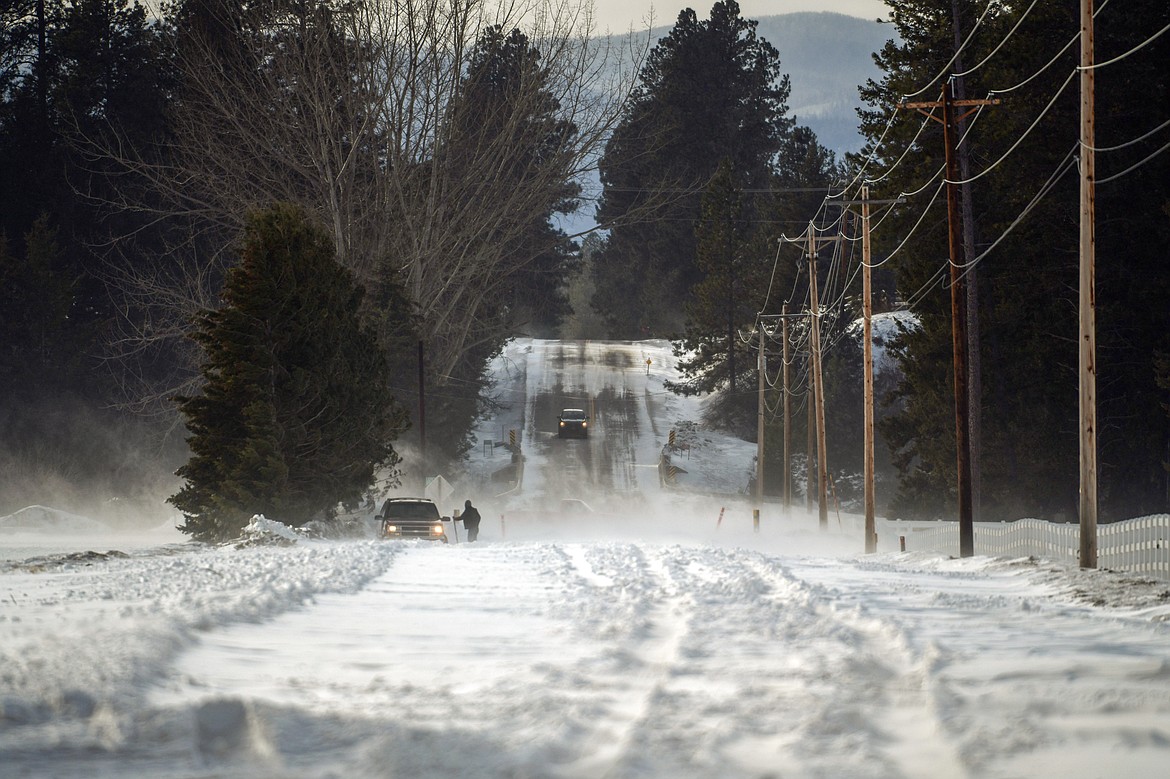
point(1020, 251)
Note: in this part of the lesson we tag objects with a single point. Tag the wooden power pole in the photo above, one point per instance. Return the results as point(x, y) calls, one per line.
point(867, 359)
point(811, 426)
point(1088, 301)
point(958, 333)
point(967, 209)
point(767, 327)
point(867, 313)
point(787, 415)
point(958, 310)
point(818, 381)
point(761, 366)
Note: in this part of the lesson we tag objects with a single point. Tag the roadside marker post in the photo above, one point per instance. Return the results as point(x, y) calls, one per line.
point(756, 520)
point(719, 521)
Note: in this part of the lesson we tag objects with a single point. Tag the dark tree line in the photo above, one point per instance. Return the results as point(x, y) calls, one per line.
point(68, 71)
point(1027, 285)
point(431, 147)
point(710, 91)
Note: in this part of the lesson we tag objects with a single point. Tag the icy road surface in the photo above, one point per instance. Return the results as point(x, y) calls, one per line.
point(574, 659)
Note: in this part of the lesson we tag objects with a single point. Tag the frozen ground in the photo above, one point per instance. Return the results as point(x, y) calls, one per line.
point(589, 653)
point(651, 640)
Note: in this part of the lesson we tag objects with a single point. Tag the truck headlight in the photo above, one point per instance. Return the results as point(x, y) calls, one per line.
point(392, 528)
point(437, 530)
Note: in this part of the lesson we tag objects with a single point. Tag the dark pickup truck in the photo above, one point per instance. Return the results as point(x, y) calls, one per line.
point(412, 518)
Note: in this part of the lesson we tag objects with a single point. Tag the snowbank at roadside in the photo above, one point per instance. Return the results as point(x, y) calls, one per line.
point(81, 636)
point(42, 519)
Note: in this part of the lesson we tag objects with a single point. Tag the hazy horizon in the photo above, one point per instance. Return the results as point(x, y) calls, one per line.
point(620, 15)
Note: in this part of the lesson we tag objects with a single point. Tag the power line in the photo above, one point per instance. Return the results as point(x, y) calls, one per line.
point(958, 51)
point(999, 45)
point(1129, 143)
point(1062, 168)
point(1133, 167)
point(1134, 50)
point(1024, 135)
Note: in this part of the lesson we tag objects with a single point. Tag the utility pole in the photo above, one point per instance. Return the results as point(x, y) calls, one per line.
point(817, 406)
point(1088, 300)
point(867, 313)
point(787, 415)
point(958, 312)
point(761, 366)
point(867, 352)
point(767, 328)
point(958, 335)
point(811, 427)
point(818, 382)
point(966, 206)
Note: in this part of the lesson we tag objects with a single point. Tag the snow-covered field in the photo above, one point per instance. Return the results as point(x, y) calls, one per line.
point(652, 641)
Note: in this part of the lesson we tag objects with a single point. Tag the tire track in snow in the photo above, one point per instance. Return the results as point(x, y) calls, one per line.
point(644, 660)
point(577, 661)
point(1013, 673)
point(741, 669)
point(883, 687)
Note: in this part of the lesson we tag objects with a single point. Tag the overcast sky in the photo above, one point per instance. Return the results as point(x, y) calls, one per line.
point(620, 15)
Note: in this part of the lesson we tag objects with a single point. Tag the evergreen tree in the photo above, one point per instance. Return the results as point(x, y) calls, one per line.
point(743, 273)
point(711, 353)
point(506, 101)
point(1027, 318)
point(71, 74)
point(709, 90)
point(296, 413)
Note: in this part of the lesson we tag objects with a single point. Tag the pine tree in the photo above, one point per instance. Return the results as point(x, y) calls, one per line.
point(296, 413)
point(41, 342)
point(709, 90)
point(727, 298)
point(507, 101)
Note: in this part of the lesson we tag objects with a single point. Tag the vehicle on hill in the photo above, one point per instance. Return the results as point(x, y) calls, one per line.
point(573, 423)
point(412, 518)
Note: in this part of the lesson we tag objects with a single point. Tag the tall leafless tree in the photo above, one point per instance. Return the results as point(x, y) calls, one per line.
point(355, 112)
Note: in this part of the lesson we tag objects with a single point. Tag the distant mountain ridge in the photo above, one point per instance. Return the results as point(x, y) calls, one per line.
point(827, 57)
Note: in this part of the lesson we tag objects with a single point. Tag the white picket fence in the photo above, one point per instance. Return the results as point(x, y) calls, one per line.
point(1136, 545)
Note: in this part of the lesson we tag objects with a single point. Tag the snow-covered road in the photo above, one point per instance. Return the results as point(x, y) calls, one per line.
point(565, 658)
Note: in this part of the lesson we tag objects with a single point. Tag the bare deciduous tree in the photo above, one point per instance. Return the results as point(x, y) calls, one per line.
point(356, 111)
